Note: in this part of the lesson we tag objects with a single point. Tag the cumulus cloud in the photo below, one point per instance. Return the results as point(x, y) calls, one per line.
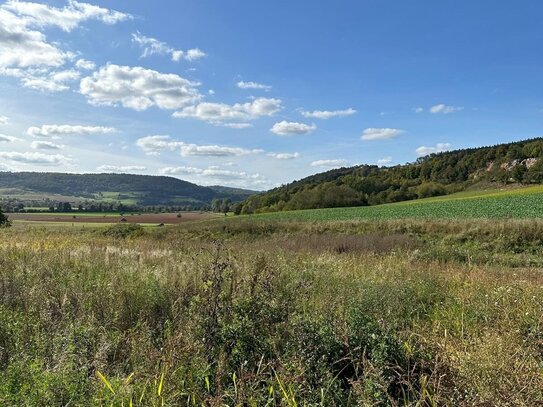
point(84, 64)
point(285, 128)
point(7, 139)
point(380, 134)
point(4, 167)
point(138, 88)
point(328, 114)
point(385, 161)
point(284, 156)
point(35, 158)
point(46, 145)
point(4, 120)
point(330, 163)
point(25, 52)
point(235, 125)
point(194, 150)
point(58, 130)
point(217, 113)
point(214, 174)
point(54, 81)
point(438, 148)
point(253, 85)
point(120, 169)
point(444, 109)
point(152, 46)
point(155, 144)
point(66, 18)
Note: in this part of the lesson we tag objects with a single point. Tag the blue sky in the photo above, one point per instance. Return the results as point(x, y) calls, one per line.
point(255, 94)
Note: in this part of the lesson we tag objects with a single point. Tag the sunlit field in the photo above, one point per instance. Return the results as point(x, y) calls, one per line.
point(352, 313)
point(509, 203)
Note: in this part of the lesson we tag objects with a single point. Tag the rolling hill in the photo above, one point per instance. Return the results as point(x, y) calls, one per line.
point(434, 175)
point(128, 188)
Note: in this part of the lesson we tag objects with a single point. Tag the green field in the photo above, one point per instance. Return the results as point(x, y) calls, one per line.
point(518, 203)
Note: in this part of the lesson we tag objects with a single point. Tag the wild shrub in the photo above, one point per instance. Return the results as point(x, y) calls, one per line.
point(123, 230)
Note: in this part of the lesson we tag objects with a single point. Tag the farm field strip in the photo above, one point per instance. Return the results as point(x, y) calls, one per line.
point(521, 203)
point(109, 218)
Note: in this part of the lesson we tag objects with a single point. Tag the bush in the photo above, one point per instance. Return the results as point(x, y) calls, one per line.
point(4, 221)
point(122, 231)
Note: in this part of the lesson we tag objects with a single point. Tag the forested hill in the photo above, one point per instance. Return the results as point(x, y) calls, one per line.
point(436, 174)
point(144, 189)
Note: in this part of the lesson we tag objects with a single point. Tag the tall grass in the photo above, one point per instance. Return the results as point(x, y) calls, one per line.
point(356, 313)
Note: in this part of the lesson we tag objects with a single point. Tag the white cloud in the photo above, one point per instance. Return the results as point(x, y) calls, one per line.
point(235, 125)
point(284, 156)
point(46, 145)
point(285, 128)
point(35, 158)
point(180, 170)
point(438, 148)
point(253, 85)
point(155, 144)
point(152, 46)
point(66, 18)
point(22, 47)
point(327, 114)
point(4, 120)
point(418, 109)
point(216, 113)
point(138, 88)
point(4, 167)
point(191, 150)
point(152, 145)
point(330, 163)
point(194, 54)
point(58, 130)
point(213, 175)
point(25, 52)
point(84, 64)
point(385, 161)
point(380, 134)
point(54, 81)
point(120, 169)
point(7, 139)
point(444, 109)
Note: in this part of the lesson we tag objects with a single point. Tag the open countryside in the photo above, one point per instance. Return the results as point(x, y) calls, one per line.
point(276, 204)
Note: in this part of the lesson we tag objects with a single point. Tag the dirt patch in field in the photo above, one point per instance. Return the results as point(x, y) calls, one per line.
point(158, 218)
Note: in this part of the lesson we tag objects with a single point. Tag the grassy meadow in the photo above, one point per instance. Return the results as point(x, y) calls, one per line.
point(273, 313)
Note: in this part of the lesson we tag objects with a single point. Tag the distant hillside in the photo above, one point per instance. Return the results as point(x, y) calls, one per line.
point(240, 193)
point(136, 189)
point(433, 175)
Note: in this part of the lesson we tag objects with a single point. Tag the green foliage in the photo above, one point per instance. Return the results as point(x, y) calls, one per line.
point(517, 203)
point(433, 175)
point(273, 315)
point(123, 230)
point(4, 220)
point(140, 189)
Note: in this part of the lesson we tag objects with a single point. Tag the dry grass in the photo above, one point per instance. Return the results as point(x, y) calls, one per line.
point(269, 314)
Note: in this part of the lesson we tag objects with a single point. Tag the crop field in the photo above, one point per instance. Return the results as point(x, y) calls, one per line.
point(98, 219)
point(516, 203)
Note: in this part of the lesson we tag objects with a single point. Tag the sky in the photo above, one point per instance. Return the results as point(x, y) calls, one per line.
point(256, 94)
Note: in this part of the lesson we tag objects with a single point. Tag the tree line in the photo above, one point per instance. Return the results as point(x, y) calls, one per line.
point(432, 175)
